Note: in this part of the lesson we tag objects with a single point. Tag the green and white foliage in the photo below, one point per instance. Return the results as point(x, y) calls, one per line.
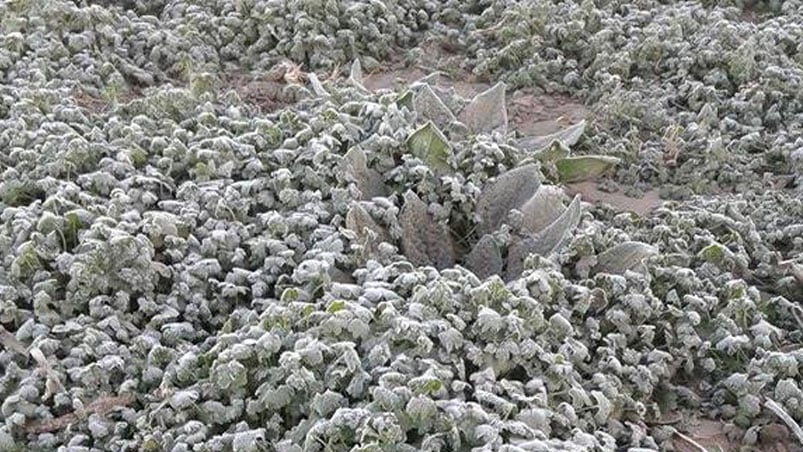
point(395, 270)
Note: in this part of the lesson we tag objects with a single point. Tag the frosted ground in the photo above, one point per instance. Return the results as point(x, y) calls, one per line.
point(403, 225)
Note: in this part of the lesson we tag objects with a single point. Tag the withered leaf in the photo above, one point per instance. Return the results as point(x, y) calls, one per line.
point(370, 183)
point(369, 232)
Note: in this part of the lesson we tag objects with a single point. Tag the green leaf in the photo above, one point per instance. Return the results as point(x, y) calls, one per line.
point(335, 306)
point(430, 145)
point(555, 151)
point(289, 294)
point(576, 169)
point(405, 100)
point(719, 255)
point(432, 386)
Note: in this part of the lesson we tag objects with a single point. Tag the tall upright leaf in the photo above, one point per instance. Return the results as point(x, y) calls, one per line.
point(430, 107)
point(424, 241)
point(369, 233)
point(550, 240)
point(486, 111)
point(544, 207)
point(430, 145)
point(509, 191)
point(369, 181)
point(485, 259)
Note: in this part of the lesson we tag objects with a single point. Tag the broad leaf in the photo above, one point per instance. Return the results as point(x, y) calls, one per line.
point(357, 159)
point(405, 100)
point(430, 107)
point(624, 256)
point(487, 111)
point(430, 145)
point(368, 231)
point(509, 191)
point(548, 241)
point(554, 236)
point(568, 136)
point(576, 169)
point(485, 259)
point(370, 183)
point(423, 240)
point(554, 151)
point(719, 255)
point(544, 207)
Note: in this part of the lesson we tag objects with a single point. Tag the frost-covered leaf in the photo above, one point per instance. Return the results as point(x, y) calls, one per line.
point(317, 86)
point(370, 183)
point(544, 207)
point(509, 191)
point(357, 159)
point(424, 241)
point(430, 145)
point(405, 100)
point(568, 136)
point(487, 111)
point(555, 235)
point(604, 407)
point(545, 242)
point(717, 254)
point(624, 256)
point(355, 73)
point(576, 169)
point(369, 232)
point(422, 412)
point(430, 107)
point(554, 151)
point(485, 259)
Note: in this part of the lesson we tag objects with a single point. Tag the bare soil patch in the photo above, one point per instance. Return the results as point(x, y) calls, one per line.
point(619, 201)
point(530, 114)
point(96, 104)
point(542, 114)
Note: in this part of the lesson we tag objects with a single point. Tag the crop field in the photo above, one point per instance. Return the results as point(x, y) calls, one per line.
point(401, 225)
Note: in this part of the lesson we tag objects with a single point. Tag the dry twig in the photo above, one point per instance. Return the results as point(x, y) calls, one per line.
point(100, 406)
point(690, 441)
point(778, 410)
